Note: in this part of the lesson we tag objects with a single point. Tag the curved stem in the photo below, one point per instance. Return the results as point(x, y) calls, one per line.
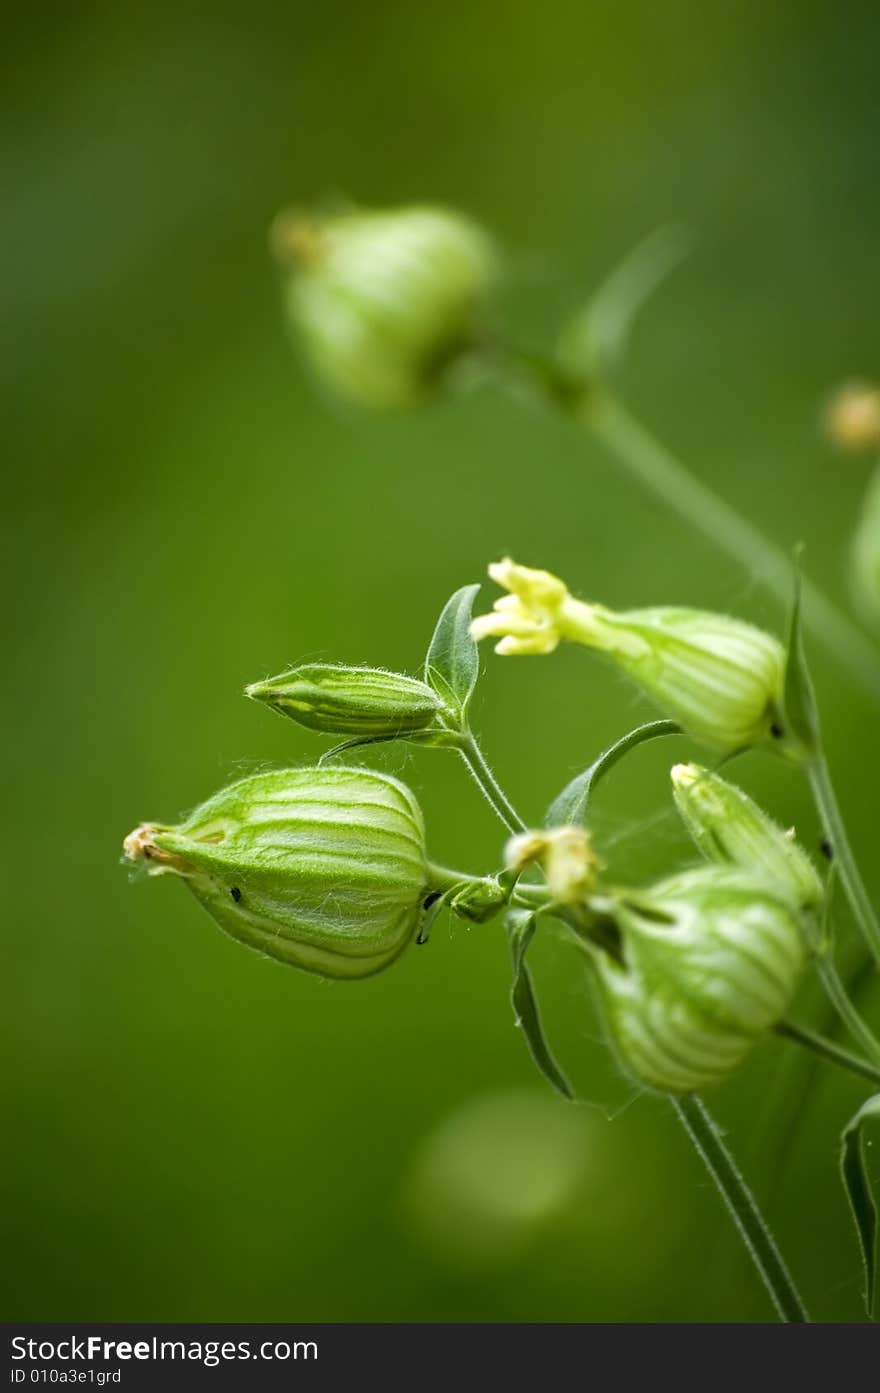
point(443, 878)
point(827, 1049)
point(659, 471)
point(833, 826)
point(487, 783)
point(742, 1207)
point(846, 1010)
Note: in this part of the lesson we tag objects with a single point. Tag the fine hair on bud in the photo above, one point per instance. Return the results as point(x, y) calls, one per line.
point(730, 828)
point(708, 962)
point(323, 869)
point(355, 701)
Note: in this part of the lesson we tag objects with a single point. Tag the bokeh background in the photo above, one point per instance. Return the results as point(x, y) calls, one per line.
point(197, 1133)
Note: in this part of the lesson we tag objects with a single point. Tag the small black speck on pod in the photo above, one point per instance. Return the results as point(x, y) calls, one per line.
point(826, 849)
point(235, 893)
point(776, 731)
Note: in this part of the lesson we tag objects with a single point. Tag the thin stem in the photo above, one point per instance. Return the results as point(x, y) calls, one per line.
point(487, 783)
point(659, 471)
point(744, 1211)
point(840, 1000)
point(442, 878)
point(827, 1049)
point(531, 896)
point(847, 867)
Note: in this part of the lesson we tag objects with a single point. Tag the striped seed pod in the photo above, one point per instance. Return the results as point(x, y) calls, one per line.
point(709, 961)
point(323, 869)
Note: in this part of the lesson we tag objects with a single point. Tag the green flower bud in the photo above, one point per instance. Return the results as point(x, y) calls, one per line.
point(353, 701)
point(323, 869)
point(730, 828)
point(720, 678)
point(709, 961)
point(384, 302)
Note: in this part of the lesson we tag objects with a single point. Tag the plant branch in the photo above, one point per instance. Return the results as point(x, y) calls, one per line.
point(838, 996)
point(482, 774)
point(742, 1206)
point(654, 466)
point(827, 1049)
point(834, 828)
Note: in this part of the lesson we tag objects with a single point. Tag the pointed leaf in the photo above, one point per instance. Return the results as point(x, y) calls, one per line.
point(520, 931)
point(598, 334)
point(431, 907)
point(572, 803)
point(825, 937)
point(800, 700)
point(860, 1191)
point(352, 744)
point(452, 664)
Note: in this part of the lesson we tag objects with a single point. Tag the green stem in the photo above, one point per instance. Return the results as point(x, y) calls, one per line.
point(659, 471)
point(835, 831)
point(843, 1005)
point(443, 878)
point(827, 1049)
point(742, 1206)
point(487, 783)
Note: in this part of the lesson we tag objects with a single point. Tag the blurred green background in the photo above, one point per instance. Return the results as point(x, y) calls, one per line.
point(197, 1133)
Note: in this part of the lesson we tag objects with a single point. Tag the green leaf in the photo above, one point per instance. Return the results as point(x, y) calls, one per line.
point(452, 663)
point(597, 336)
point(860, 1193)
point(825, 940)
point(572, 804)
point(801, 711)
point(520, 931)
point(352, 744)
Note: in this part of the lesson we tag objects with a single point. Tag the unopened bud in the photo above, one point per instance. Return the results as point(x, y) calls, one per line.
point(709, 961)
point(384, 302)
point(730, 828)
point(323, 869)
point(720, 678)
point(356, 701)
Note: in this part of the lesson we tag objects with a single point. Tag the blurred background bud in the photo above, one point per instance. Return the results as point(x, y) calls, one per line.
point(384, 303)
point(852, 417)
point(497, 1172)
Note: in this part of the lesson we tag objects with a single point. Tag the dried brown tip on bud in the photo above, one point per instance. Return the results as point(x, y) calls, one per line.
point(140, 845)
point(296, 239)
point(852, 417)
